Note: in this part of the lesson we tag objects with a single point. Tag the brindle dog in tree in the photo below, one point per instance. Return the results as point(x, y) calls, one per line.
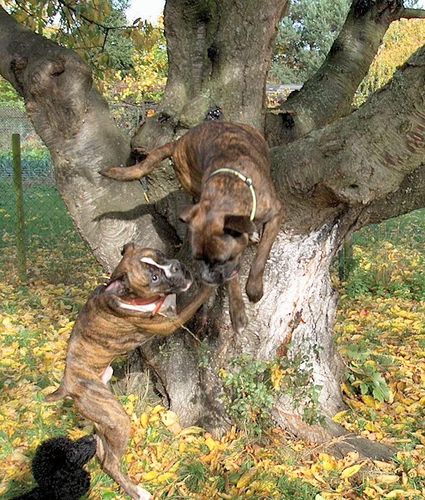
point(117, 318)
point(227, 167)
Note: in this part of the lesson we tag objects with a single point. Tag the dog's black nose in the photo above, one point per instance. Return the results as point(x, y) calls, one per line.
point(175, 267)
point(211, 277)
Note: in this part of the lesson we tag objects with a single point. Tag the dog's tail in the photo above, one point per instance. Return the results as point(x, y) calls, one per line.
point(60, 393)
point(143, 168)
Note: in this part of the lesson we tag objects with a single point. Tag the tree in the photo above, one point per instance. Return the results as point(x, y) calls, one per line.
point(402, 39)
point(336, 171)
point(97, 30)
point(8, 93)
point(147, 78)
point(116, 51)
point(305, 36)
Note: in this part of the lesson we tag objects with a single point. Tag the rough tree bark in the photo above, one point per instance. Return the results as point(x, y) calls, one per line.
point(349, 173)
point(74, 122)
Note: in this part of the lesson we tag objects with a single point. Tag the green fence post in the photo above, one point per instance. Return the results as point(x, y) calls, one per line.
point(20, 218)
point(345, 259)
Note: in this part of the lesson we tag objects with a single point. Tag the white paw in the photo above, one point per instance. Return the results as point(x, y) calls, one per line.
point(255, 237)
point(107, 374)
point(143, 494)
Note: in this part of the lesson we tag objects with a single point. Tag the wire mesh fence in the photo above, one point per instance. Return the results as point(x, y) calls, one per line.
point(48, 226)
point(47, 223)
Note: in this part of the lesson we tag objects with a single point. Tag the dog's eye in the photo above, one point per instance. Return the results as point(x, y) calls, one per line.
point(154, 278)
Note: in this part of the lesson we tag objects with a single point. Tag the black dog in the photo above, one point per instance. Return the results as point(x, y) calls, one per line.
point(57, 468)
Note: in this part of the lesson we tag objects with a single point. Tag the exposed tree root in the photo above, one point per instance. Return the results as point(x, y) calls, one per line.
point(332, 437)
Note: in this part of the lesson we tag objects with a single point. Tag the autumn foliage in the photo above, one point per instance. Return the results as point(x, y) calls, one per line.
point(380, 335)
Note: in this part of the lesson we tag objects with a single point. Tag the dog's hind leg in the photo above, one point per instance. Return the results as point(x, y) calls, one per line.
point(141, 169)
point(97, 403)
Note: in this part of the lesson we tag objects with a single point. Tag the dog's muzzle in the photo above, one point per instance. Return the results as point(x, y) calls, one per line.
point(83, 450)
point(179, 276)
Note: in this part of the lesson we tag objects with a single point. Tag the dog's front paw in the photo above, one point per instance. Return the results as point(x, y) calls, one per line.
point(254, 289)
point(143, 494)
point(238, 318)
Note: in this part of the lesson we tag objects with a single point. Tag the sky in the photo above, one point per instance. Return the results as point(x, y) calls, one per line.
point(152, 9)
point(146, 9)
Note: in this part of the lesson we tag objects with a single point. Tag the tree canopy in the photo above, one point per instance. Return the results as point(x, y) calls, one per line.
point(402, 39)
point(305, 36)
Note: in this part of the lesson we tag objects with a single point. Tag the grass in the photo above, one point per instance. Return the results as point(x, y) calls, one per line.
point(380, 333)
point(46, 219)
point(389, 259)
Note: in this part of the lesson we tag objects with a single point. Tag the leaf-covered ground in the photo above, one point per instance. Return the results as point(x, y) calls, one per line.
point(380, 333)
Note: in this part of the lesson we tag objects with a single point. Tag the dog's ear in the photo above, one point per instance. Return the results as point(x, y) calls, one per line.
point(238, 224)
point(188, 213)
point(127, 247)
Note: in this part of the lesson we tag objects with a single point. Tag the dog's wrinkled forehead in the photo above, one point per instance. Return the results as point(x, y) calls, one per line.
point(151, 257)
point(148, 256)
point(163, 265)
point(132, 261)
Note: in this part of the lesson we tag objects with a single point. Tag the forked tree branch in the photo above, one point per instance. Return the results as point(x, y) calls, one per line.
point(365, 156)
point(213, 63)
point(328, 94)
point(74, 122)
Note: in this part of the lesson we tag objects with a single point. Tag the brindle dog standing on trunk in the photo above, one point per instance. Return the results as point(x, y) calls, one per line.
point(226, 166)
point(116, 319)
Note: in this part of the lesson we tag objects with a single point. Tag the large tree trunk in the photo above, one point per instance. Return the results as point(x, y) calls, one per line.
point(74, 122)
point(331, 181)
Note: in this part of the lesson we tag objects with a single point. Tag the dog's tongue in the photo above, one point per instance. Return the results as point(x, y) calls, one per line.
point(168, 306)
point(115, 287)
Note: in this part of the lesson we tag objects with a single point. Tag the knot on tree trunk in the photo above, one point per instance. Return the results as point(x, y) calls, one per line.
point(55, 86)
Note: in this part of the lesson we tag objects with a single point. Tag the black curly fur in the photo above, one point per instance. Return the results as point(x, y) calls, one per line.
point(57, 468)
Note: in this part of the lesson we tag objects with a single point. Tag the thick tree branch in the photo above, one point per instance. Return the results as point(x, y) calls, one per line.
point(365, 156)
point(328, 94)
point(74, 122)
point(213, 65)
point(412, 14)
point(410, 196)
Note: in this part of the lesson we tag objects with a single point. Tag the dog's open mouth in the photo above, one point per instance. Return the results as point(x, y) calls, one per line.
point(117, 286)
point(166, 305)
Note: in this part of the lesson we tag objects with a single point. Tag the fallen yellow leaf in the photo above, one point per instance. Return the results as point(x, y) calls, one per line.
point(245, 479)
point(387, 478)
point(350, 471)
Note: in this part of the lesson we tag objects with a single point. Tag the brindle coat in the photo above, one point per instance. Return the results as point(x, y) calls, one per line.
point(116, 319)
point(220, 223)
